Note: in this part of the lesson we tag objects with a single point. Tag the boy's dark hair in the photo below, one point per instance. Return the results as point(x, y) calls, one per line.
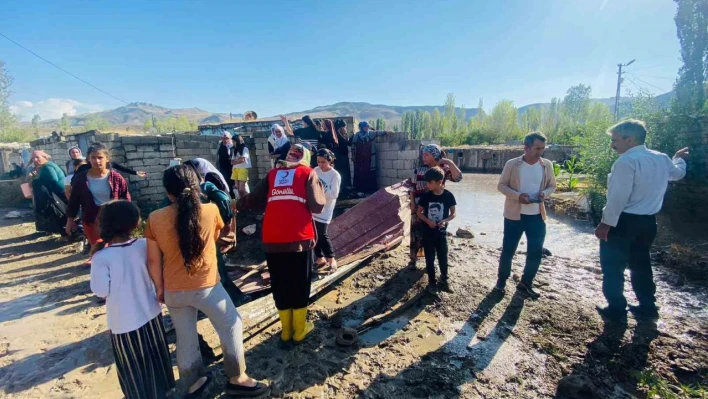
point(78, 162)
point(116, 219)
point(182, 182)
point(434, 174)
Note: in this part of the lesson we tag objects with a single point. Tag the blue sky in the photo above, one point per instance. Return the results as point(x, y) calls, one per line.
point(277, 57)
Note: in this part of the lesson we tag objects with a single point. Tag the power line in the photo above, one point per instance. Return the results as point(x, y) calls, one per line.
point(647, 83)
point(61, 69)
point(650, 76)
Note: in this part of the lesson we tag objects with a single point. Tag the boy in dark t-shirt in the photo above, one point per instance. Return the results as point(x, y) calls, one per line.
point(436, 208)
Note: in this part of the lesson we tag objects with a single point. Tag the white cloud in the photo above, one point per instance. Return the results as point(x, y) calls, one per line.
point(51, 108)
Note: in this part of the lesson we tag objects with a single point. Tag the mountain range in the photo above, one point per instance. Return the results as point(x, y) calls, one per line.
point(134, 115)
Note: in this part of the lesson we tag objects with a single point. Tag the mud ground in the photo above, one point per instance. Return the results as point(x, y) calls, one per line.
point(469, 344)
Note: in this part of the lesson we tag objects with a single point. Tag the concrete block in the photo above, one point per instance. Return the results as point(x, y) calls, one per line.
point(403, 174)
point(184, 152)
point(385, 163)
point(134, 155)
point(129, 147)
point(409, 164)
point(131, 140)
point(398, 164)
point(165, 147)
point(147, 155)
point(143, 183)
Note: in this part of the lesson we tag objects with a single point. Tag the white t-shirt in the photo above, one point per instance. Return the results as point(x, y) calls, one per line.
point(67, 179)
point(119, 273)
point(331, 180)
point(531, 178)
point(100, 189)
point(246, 164)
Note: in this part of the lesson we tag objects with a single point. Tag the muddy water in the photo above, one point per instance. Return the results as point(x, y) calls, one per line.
point(480, 207)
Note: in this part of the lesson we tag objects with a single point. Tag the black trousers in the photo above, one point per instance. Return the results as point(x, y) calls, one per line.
point(324, 248)
point(535, 229)
point(290, 274)
point(435, 242)
point(231, 183)
point(628, 244)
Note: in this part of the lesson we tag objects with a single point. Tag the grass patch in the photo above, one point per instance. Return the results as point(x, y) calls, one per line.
point(656, 387)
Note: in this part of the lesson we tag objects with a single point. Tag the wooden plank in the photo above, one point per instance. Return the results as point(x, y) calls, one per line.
point(255, 313)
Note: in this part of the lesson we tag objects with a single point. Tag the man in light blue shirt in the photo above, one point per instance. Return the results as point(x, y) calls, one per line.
point(635, 192)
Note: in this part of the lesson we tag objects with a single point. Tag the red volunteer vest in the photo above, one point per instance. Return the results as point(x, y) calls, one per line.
point(287, 217)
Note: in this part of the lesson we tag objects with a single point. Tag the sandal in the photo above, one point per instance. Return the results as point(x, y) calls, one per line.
point(240, 391)
point(201, 389)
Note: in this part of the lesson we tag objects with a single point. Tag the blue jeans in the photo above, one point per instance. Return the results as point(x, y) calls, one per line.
point(535, 228)
point(628, 244)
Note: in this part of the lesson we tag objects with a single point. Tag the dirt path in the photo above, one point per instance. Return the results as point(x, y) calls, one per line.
point(53, 339)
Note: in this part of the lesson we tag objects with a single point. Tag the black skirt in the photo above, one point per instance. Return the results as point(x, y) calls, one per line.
point(143, 361)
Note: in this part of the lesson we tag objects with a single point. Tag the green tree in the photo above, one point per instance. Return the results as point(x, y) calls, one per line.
point(437, 124)
point(576, 103)
point(35, 124)
point(503, 122)
point(95, 122)
point(692, 31)
point(64, 123)
point(8, 121)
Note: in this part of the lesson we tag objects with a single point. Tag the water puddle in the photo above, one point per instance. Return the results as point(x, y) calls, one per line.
point(480, 207)
point(383, 332)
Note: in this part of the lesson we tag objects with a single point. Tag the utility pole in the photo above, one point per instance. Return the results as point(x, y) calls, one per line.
point(619, 86)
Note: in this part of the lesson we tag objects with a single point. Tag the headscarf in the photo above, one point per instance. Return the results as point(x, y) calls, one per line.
point(433, 150)
point(362, 125)
point(274, 140)
point(303, 155)
point(326, 154)
point(204, 167)
point(81, 155)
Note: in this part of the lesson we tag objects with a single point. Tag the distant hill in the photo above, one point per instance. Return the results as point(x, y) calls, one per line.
point(133, 116)
point(136, 114)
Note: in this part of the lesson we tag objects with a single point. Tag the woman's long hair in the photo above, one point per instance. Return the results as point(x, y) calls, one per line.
point(183, 183)
point(308, 121)
point(117, 219)
point(239, 145)
point(330, 128)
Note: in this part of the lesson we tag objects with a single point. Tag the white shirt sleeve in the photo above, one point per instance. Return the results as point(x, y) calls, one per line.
point(678, 169)
point(333, 191)
point(100, 278)
point(619, 188)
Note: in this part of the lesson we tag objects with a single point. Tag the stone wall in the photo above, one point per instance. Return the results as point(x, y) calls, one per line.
point(492, 158)
point(396, 158)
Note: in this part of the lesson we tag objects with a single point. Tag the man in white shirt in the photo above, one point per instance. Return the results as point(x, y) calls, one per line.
point(525, 181)
point(635, 192)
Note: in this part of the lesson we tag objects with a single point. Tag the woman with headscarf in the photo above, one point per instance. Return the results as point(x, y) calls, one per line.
point(278, 143)
point(210, 174)
point(341, 162)
point(74, 154)
point(291, 194)
point(431, 156)
point(48, 193)
point(364, 154)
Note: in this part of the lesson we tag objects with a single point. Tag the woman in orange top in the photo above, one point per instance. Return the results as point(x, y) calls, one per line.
point(182, 260)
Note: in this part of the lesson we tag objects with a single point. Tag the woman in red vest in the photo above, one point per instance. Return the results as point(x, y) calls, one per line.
point(291, 193)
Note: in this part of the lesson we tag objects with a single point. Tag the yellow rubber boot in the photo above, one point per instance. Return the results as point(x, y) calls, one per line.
point(302, 326)
point(286, 322)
